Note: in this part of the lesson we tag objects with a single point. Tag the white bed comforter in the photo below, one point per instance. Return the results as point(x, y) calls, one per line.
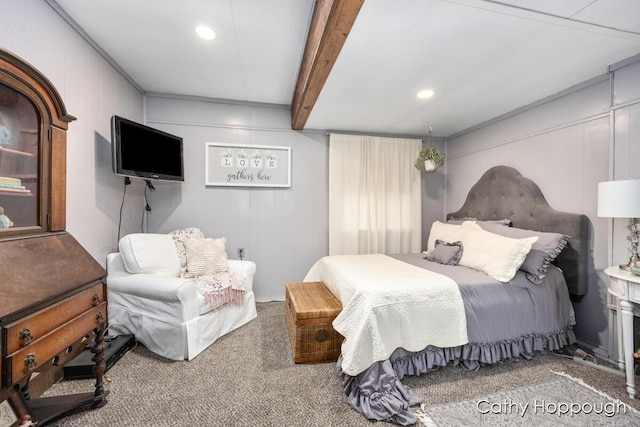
point(389, 304)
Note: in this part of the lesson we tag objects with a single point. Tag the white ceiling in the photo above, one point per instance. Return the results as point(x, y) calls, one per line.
point(483, 58)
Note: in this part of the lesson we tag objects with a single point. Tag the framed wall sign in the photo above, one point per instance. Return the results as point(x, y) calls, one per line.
point(247, 165)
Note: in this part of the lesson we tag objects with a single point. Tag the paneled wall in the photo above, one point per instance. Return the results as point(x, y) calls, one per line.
point(284, 230)
point(92, 91)
point(563, 145)
point(566, 145)
point(626, 143)
point(626, 157)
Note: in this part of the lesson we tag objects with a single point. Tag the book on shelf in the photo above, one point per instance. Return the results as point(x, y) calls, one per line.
point(14, 190)
point(10, 180)
point(17, 187)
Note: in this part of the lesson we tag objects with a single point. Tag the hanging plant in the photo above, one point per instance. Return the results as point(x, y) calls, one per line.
point(429, 159)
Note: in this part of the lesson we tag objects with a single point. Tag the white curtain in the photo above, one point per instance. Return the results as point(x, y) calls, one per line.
point(374, 195)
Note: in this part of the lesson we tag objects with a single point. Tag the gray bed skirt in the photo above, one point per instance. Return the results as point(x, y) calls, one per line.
point(379, 394)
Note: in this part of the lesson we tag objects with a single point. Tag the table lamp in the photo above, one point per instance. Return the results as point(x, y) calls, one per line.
point(621, 199)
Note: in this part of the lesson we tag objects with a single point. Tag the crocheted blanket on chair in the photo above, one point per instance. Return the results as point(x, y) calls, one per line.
point(216, 289)
point(220, 288)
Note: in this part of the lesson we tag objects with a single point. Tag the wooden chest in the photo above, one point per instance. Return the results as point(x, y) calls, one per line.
point(310, 309)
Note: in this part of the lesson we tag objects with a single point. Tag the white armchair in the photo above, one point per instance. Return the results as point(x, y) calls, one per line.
point(166, 312)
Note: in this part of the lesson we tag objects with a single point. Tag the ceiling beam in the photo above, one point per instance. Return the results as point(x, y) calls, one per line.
point(332, 20)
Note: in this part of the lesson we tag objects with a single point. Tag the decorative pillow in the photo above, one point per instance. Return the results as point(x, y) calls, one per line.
point(497, 256)
point(543, 251)
point(179, 237)
point(446, 253)
point(444, 233)
point(206, 256)
point(149, 253)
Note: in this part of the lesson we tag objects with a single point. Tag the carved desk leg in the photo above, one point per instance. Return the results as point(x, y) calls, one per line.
point(100, 366)
point(45, 409)
point(26, 389)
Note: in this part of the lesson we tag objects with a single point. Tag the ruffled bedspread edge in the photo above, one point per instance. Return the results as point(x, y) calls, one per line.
point(379, 394)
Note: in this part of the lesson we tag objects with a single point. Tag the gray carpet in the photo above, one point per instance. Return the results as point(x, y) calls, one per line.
point(248, 378)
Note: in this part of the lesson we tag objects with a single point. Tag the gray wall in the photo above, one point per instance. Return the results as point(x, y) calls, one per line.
point(566, 144)
point(92, 91)
point(626, 142)
point(284, 230)
point(433, 192)
point(626, 157)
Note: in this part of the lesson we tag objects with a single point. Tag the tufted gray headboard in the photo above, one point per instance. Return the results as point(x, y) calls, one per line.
point(502, 192)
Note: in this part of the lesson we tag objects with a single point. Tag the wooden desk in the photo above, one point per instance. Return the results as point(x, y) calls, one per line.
point(47, 279)
point(626, 288)
point(53, 302)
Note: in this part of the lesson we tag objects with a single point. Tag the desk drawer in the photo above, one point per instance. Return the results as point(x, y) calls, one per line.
point(41, 351)
point(29, 329)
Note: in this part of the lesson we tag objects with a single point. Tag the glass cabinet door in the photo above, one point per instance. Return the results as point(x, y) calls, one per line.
point(19, 152)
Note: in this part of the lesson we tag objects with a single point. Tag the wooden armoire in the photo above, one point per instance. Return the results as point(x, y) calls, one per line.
point(52, 291)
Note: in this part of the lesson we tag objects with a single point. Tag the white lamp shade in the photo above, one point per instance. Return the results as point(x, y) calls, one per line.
point(619, 199)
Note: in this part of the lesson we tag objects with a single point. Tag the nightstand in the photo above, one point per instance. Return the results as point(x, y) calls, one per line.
point(626, 288)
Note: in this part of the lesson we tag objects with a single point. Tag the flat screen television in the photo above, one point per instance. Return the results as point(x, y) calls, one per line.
point(140, 151)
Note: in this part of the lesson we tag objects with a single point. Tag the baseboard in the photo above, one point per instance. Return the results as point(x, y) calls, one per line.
point(592, 364)
point(271, 299)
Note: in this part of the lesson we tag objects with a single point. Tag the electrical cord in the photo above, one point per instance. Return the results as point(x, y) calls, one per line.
point(147, 208)
point(127, 181)
point(573, 352)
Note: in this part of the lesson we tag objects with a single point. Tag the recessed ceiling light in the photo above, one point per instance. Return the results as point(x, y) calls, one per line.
point(426, 93)
point(205, 32)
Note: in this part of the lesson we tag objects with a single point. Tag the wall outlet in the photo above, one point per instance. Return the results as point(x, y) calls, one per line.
point(240, 253)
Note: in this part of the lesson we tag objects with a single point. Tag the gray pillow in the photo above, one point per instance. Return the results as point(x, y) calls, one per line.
point(542, 253)
point(448, 253)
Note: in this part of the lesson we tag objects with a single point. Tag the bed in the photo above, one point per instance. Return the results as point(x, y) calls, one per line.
point(408, 314)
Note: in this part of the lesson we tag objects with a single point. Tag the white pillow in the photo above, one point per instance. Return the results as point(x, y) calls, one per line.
point(149, 253)
point(497, 256)
point(444, 232)
point(206, 256)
